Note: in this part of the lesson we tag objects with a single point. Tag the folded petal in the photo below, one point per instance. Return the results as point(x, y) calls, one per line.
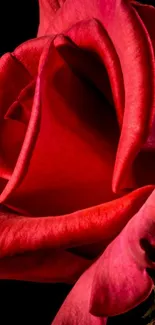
point(118, 281)
point(146, 157)
point(9, 85)
point(9, 89)
point(24, 238)
point(67, 125)
point(137, 73)
point(17, 147)
point(17, 73)
point(29, 53)
point(59, 177)
point(121, 279)
point(91, 42)
point(140, 99)
point(17, 69)
point(147, 14)
point(75, 309)
point(20, 110)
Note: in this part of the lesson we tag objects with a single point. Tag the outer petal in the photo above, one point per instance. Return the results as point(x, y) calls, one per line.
point(23, 62)
point(48, 9)
point(139, 107)
point(147, 14)
point(49, 237)
point(146, 157)
point(118, 280)
point(9, 89)
point(17, 71)
point(29, 53)
point(9, 85)
point(75, 309)
point(121, 274)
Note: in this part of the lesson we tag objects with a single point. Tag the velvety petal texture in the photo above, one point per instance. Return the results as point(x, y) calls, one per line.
point(90, 144)
point(58, 177)
point(16, 100)
point(137, 74)
point(75, 309)
point(48, 9)
point(119, 280)
point(77, 154)
point(51, 235)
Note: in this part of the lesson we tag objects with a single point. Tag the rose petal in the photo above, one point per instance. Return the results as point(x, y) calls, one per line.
point(75, 309)
point(10, 146)
point(137, 73)
point(28, 53)
point(16, 73)
point(9, 85)
point(146, 157)
point(118, 280)
point(20, 110)
point(44, 266)
point(121, 274)
point(48, 9)
point(147, 14)
point(90, 38)
point(26, 235)
point(80, 141)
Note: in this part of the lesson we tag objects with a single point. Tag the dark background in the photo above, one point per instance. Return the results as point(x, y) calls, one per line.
point(18, 22)
point(30, 303)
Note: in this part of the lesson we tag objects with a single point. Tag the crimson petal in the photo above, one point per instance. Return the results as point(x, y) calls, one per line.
point(24, 238)
point(48, 9)
point(118, 281)
point(121, 280)
point(137, 64)
point(75, 309)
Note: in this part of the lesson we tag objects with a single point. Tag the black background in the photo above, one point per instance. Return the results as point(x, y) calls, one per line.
point(20, 302)
point(18, 22)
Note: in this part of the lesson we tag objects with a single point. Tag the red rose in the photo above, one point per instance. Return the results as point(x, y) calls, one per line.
point(77, 134)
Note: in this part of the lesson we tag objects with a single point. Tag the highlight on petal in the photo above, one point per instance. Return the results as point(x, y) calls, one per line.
point(23, 237)
point(146, 156)
point(140, 99)
point(17, 69)
point(29, 53)
point(121, 279)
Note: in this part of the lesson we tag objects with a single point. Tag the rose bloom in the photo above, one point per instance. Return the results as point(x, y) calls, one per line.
point(77, 156)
